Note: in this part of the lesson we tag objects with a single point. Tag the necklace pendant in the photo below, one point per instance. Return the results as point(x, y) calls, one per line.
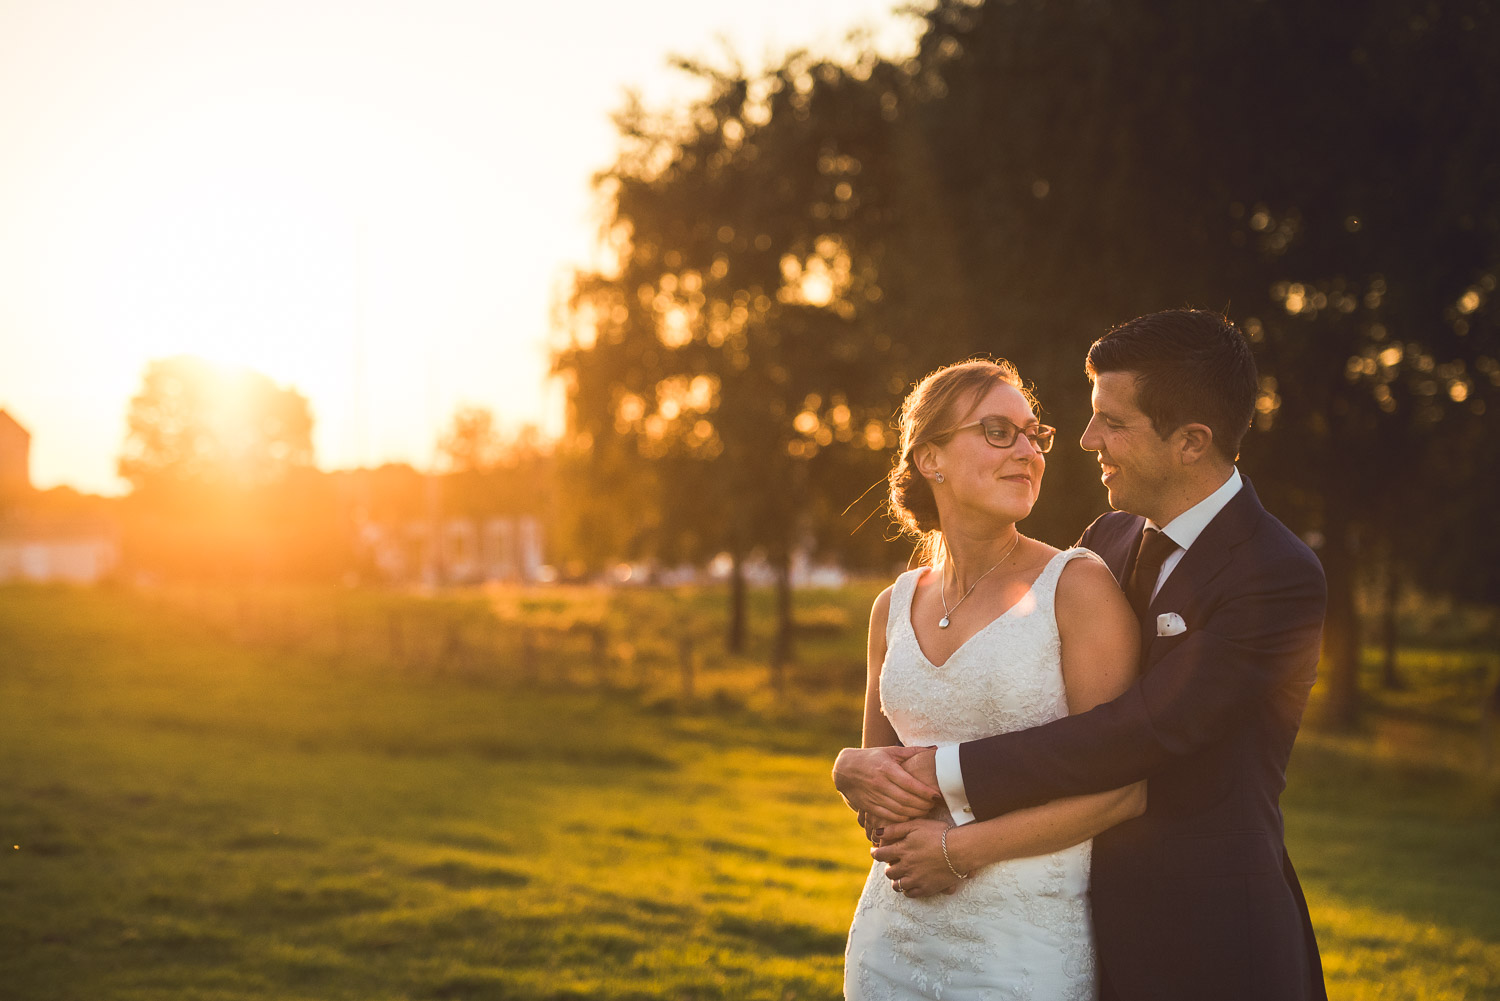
point(943, 622)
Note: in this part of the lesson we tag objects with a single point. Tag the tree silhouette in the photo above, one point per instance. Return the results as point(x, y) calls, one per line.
point(221, 465)
point(796, 248)
point(472, 443)
point(1329, 175)
point(196, 424)
point(735, 348)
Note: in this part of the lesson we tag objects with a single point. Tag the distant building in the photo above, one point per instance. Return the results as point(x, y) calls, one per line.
point(55, 535)
point(73, 550)
point(455, 550)
point(15, 458)
point(453, 529)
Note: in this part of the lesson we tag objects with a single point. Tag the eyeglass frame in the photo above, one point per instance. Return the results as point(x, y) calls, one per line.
point(1046, 431)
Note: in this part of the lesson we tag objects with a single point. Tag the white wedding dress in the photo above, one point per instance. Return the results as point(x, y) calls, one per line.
point(1014, 930)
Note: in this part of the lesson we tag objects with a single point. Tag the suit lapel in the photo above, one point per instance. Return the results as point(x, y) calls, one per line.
point(1118, 550)
point(1207, 557)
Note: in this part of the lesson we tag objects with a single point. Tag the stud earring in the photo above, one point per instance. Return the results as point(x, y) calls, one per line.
point(940, 477)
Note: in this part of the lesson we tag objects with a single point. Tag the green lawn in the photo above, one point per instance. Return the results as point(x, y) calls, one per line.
point(200, 818)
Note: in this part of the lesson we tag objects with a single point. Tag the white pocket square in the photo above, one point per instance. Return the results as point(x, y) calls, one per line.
point(1170, 624)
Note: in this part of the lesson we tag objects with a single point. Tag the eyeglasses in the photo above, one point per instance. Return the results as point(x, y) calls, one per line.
point(1001, 433)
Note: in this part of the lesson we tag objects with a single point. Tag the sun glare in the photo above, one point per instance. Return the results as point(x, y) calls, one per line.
point(377, 208)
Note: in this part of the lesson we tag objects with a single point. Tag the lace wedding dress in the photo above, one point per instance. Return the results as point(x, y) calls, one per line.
point(1014, 930)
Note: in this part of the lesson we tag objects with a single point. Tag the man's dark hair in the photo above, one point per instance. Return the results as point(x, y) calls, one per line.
point(1192, 366)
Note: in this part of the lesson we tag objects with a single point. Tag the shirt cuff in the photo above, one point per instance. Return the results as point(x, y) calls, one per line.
point(950, 776)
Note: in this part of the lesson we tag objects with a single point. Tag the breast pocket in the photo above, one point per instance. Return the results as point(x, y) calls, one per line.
point(1160, 646)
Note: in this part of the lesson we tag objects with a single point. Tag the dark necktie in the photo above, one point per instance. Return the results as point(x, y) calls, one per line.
point(1152, 552)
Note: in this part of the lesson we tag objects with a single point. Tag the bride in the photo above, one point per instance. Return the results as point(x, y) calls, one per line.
point(995, 632)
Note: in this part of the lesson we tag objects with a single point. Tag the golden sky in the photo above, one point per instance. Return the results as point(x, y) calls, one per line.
point(374, 201)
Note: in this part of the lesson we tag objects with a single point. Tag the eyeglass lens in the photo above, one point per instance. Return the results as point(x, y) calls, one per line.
point(1002, 434)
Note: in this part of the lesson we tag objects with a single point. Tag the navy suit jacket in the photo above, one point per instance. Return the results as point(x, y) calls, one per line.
point(1196, 898)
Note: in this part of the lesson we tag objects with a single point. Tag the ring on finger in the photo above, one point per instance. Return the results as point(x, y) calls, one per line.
point(898, 887)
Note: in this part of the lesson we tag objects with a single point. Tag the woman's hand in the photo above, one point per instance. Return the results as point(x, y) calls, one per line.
point(913, 853)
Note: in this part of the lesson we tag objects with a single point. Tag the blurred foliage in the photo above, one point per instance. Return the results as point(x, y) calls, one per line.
point(490, 471)
point(472, 442)
point(275, 531)
point(225, 489)
point(737, 353)
point(798, 246)
point(221, 462)
point(194, 423)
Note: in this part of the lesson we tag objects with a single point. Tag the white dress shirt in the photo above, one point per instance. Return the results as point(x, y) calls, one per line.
point(1183, 530)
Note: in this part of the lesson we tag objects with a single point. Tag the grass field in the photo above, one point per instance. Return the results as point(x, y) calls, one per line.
point(196, 806)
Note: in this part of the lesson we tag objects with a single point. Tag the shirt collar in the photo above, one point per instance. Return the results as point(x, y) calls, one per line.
point(1187, 526)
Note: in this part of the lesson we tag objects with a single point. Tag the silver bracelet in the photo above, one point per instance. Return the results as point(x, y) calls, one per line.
point(960, 875)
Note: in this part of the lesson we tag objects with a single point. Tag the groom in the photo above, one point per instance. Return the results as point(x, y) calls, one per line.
point(1195, 899)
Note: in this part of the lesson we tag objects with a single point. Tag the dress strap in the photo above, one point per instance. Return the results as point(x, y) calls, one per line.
point(1045, 588)
point(901, 597)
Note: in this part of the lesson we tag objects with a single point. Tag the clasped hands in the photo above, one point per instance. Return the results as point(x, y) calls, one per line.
point(894, 790)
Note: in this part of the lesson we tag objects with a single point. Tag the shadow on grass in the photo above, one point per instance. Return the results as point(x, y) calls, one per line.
point(290, 903)
point(486, 986)
point(458, 875)
point(786, 938)
point(720, 846)
point(1396, 837)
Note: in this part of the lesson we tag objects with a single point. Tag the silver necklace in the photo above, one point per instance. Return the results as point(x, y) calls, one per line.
point(945, 621)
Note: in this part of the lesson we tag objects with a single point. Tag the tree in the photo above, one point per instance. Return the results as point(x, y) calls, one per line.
point(196, 424)
point(1042, 171)
point(1372, 243)
point(472, 443)
point(1331, 175)
point(490, 473)
point(736, 348)
point(221, 465)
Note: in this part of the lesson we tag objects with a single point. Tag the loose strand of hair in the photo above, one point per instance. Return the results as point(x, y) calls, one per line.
point(872, 486)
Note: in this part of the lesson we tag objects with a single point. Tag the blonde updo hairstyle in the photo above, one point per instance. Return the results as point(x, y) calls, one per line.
point(930, 410)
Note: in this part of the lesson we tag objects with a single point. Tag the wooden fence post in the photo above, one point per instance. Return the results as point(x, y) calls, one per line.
point(528, 656)
point(340, 632)
point(396, 640)
point(1489, 724)
point(686, 662)
point(599, 652)
point(451, 652)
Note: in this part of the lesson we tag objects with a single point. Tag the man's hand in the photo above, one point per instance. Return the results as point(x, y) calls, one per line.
point(922, 766)
point(876, 782)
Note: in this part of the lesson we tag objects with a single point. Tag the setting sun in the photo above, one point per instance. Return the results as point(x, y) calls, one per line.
point(378, 208)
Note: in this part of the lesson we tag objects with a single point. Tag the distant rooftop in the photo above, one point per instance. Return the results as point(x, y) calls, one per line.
point(15, 457)
point(9, 425)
